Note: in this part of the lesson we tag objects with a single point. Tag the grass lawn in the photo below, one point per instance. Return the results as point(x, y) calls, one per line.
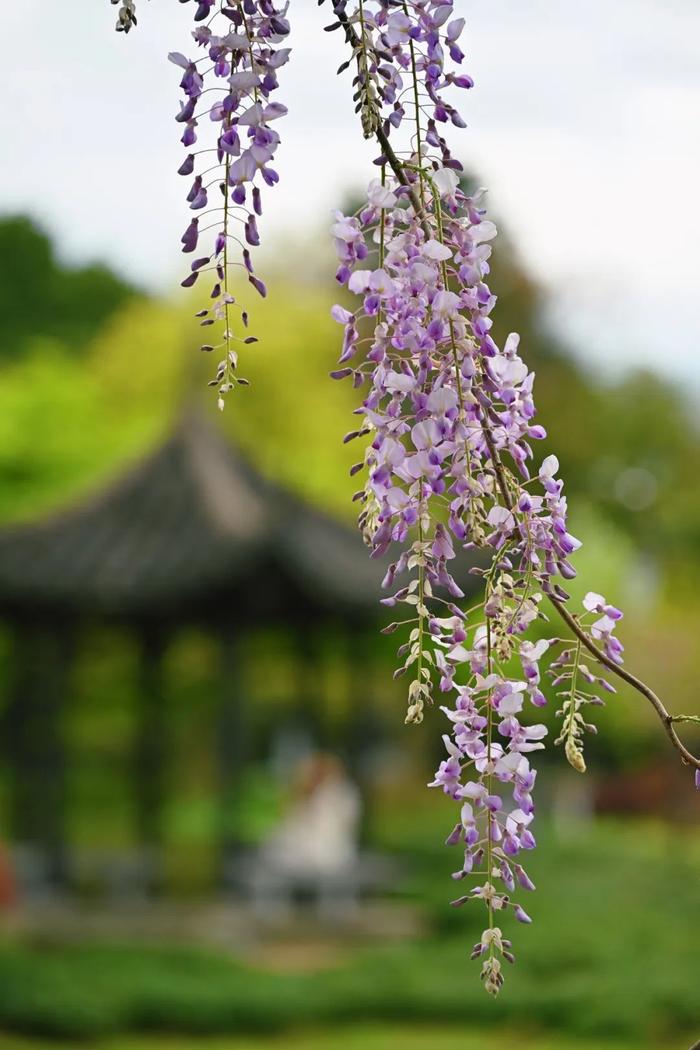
point(415, 1037)
point(611, 961)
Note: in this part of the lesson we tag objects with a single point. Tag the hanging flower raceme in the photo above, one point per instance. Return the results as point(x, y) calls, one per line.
point(449, 417)
point(227, 104)
point(400, 51)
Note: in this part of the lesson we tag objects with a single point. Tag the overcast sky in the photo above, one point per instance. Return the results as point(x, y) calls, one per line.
point(584, 124)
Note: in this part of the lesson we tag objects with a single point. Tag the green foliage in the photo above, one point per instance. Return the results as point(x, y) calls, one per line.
point(65, 424)
point(631, 450)
point(291, 423)
point(42, 299)
point(588, 966)
point(462, 1036)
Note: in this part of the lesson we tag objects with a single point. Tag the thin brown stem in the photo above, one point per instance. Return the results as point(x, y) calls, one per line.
point(582, 635)
point(666, 718)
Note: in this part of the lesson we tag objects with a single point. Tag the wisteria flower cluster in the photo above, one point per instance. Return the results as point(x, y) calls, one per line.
point(449, 419)
point(447, 415)
point(241, 55)
point(445, 407)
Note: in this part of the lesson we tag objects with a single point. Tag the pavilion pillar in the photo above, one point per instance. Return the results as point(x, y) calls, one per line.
point(150, 752)
point(311, 703)
point(363, 727)
point(34, 734)
point(231, 754)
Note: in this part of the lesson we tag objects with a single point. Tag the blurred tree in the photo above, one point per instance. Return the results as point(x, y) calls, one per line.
point(631, 449)
point(40, 297)
point(66, 423)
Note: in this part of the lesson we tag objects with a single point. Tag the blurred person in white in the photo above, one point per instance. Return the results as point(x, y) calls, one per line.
point(314, 850)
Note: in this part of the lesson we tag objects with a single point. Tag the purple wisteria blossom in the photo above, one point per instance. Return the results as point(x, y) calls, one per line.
point(227, 102)
point(450, 422)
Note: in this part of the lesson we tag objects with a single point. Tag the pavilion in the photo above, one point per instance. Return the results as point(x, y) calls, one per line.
point(190, 535)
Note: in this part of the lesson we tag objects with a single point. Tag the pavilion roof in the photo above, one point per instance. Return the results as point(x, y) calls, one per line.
point(190, 528)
